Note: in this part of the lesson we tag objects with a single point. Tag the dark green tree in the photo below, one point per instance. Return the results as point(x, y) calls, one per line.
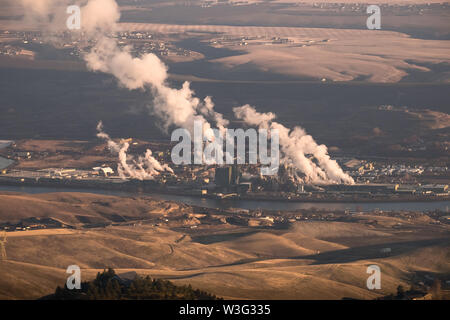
point(400, 292)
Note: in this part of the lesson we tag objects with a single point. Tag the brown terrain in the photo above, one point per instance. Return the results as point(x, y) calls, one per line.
point(303, 260)
point(60, 153)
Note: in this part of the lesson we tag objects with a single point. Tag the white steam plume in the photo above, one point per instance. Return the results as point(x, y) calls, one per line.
point(142, 168)
point(296, 146)
point(175, 107)
point(99, 21)
point(51, 15)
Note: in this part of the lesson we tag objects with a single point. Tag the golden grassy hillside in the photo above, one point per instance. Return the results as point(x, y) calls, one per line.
point(308, 260)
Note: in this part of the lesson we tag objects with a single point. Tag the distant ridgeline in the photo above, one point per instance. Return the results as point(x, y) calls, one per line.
point(109, 286)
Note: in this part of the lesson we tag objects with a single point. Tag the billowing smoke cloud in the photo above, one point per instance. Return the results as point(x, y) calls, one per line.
point(51, 15)
point(99, 21)
point(175, 107)
point(142, 168)
point(296, 146)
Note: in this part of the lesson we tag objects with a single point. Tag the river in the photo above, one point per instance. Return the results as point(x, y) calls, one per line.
point(251, 204)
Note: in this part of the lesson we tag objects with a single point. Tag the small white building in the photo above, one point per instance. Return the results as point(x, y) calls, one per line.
point(105, 171)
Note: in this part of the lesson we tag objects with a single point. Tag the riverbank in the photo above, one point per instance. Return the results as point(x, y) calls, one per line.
point(378, 199)
point(246, 204)
point(152, 187)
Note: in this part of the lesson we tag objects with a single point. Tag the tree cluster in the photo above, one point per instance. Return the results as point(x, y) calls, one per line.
point(108, 286)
